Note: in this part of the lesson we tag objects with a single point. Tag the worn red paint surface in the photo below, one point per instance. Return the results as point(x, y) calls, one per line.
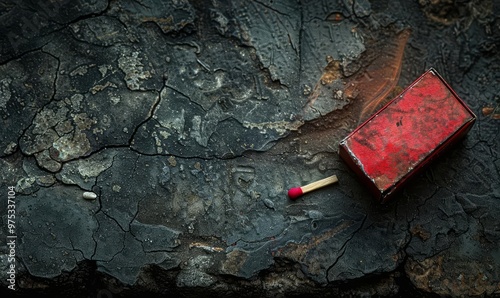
point(406, 134)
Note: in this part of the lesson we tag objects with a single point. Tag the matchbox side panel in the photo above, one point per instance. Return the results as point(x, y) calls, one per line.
point(351, 163)
point(424, 165)
point(384, 197)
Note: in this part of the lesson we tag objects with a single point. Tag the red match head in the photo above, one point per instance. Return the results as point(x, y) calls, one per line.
point(294, 192)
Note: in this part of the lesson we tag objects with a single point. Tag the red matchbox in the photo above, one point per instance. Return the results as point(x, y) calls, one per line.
point(408, 133)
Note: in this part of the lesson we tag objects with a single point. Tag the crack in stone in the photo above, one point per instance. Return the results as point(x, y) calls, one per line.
point(426, 200)
point(25, 129)
point(116, 221)
point(343, 249)
point(270, 7)
point(186, 96)
point(79, 250)
point(150, 116)
point(477, 217)
point(85, 17)
point(264, 241)
point(114, 255)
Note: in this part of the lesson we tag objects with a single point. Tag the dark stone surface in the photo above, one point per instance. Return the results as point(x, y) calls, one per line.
point(190, 120)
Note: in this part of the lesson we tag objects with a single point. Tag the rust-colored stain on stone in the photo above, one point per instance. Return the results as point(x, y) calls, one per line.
point(335, 17)
point(331, 72)
point(425, 272)
point(366, 90)
point(298, 251)
point(492, 112)
point(433, 275)
point(379, 78)
point(420, 232)
point(164, 23)
point(234, 261)
point(371, 86)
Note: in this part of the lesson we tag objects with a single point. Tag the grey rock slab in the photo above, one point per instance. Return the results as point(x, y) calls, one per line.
point(155, 237)
point(73, 229)
point(323, 39)
point(88, 115)
point(181, 127)
point(27, 25)
point(123, 254)
point(26, 84)
point(437, 226)
point(55, 229)
point(224, 200)
point(278, 49)
point(109, 238)
point(158, 109)
point(96, 69)
point(472, 259)
point(128, 263)
point(376, 248)
point(120, 188)
point(84, 172)
point(247, 264)
point(198, 116)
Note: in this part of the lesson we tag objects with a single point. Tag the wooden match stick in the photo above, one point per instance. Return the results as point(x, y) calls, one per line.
point(295, 192)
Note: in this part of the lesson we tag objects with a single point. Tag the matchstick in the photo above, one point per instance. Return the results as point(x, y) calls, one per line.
point(296, 192)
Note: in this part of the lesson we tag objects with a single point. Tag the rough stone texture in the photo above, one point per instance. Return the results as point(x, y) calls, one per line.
point(190, 120)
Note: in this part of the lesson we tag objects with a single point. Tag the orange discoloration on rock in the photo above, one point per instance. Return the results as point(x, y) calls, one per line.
point(420, 232)
point(468, 278)
point(380, 77)
point(331, 72)
point(492, 112)
point(365, 90)
point(298, 251)
point(335, 17)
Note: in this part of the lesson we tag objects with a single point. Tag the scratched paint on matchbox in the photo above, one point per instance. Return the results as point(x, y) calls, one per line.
point(406, 134)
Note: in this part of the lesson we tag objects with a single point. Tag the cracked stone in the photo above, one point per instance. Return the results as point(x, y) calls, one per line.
point(84, 172)
point(74, 126)
point(278, 49)
point(190, 120)
point(127, 264)
point(59, 239)
point(155, 238)
point(28, 25)
point(109, 238)
point(26, 86)
point(324, 38)
point(26, 185)
point(446, 225)
point(35, 175)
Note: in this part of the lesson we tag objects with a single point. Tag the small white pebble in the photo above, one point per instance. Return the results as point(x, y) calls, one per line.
point(269, 204)
point(88, 195)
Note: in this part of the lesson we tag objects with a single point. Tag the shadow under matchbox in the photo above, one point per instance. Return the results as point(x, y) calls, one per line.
point(404, 136)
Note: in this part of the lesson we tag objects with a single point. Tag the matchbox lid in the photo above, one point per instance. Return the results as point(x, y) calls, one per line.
point(402, 136)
